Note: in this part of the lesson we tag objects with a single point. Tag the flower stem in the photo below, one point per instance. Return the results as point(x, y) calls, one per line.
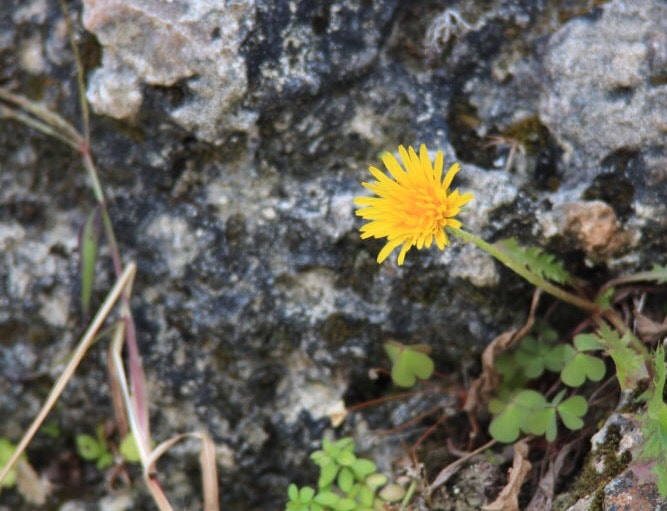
point(519, 268)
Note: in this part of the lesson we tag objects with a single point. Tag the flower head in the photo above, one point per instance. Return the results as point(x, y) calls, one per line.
point(414, 207)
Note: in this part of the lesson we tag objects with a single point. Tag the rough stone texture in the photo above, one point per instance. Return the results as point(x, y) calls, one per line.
point(161, 43)
point(607, 89)
point(248, 127)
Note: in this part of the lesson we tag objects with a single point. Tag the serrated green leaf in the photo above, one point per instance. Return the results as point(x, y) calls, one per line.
point(630, 366)
point(604, 300)
point(541, 263)
point(88, 256)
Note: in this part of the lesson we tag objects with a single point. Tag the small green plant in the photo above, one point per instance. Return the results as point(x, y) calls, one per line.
point(345, 483)
point(654, 425)
point(7, 448)
point(409, 363)
point(517, 409)
point(95, 448)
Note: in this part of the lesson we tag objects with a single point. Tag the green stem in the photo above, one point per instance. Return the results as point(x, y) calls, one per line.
point(519, 268)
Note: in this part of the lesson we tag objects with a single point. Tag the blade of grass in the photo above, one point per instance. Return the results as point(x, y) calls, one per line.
point(124, 282)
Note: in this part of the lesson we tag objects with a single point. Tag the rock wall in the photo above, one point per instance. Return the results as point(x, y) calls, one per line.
point(231, 138)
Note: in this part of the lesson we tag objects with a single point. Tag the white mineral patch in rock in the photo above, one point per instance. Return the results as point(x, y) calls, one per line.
point(31, 57)
point(178, 242)
point(491, 190)
point(475, 266)
point(55, 307)
point(119, 97)
point(120, 502)
point(303, 388)
point(161, 43)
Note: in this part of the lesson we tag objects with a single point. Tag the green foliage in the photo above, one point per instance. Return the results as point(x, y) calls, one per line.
point(517, 409)
point(128, 449)
point(530, 412)
point(654, 425)
point(409, 362)
point(88, 249)
point(630, 365)
point(579, 365)
point(7, 448)
point(537, 261)
point(345, 483)
point(94, 448)
point(659, 273)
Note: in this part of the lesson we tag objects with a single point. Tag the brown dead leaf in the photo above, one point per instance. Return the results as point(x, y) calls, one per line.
point(650, 331)
point(481, 389)
point(32, 488)
point(508, 499)
point(544, 496)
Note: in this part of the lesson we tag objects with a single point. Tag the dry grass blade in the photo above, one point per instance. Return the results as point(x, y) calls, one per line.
point(508, 499)
point(482, 388)
point(206, 460)
point(45, 115)
point(123, 283)
point(544, 496)
point(148, 455)
point(17, 115)
point(451, 469)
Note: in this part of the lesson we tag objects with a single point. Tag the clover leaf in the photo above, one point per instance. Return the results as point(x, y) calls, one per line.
point(578, 365)
point(409, 362)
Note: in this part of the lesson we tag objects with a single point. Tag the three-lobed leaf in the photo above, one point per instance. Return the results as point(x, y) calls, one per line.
point(409, 362)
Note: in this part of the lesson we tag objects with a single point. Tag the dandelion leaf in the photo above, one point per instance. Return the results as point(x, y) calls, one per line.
point(541, 263)
point(654, 426)
point(630, 367)
point(660, 272)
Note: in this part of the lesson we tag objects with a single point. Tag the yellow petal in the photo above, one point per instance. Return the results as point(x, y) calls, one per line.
point(401, 255)
point(453, 170)
point(387, 249)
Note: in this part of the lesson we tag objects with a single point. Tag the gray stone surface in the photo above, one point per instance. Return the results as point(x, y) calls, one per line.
point(231, 138)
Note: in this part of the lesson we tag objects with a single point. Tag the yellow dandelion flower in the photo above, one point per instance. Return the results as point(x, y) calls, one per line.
point(414, 207)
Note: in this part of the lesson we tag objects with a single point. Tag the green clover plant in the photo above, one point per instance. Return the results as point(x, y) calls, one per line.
point(346, 482)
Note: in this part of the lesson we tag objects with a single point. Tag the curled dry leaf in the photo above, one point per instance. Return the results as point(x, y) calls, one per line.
point(482, 388)
point(508, 499)
point(650, 331)
point(33, 488)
